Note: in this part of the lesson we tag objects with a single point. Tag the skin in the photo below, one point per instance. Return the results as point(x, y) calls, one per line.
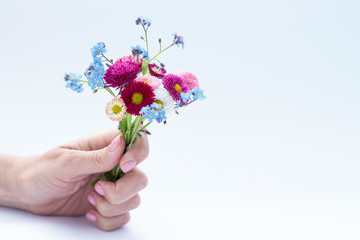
point(58, 182)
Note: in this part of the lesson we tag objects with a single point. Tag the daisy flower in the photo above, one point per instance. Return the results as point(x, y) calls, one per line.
point(134, 59)
point(189, 79)
point(156, 71)
point(121, 73)
point(137, 95)
point(150, 80)
point(175, 85)
point(116, 109)
point(163, 98)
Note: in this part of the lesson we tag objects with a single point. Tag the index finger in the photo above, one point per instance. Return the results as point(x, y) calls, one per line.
point(136, 154)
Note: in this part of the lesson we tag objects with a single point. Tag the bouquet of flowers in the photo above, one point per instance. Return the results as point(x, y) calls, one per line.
point(142, 91)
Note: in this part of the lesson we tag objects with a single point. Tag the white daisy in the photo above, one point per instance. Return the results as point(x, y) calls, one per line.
point(163, 98)
point(116, 109)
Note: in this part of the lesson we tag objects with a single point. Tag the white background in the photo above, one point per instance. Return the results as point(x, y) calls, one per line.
point(273, 153)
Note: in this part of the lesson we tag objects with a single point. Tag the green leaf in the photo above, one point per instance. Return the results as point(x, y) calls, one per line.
point(95, 91)
point(145, 68)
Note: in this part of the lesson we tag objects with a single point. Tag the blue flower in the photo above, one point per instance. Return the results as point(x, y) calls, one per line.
point(98, 48)
point(100, 71)
point(185, 96)
point(146, 22)
point(156, 106)
point(198, 94)
point(161, 116)
point(144, 110)
point(150, 115)
point(97, 60)
point(136, 51)
point(75, 85)
point(178, 40)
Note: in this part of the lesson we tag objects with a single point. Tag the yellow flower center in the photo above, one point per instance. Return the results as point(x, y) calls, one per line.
point(100, 71)
point(99, 49)
point(178, 88)
point(137, 98)
point(116, 109)
point(161, 115)
point(150, 115)
point(159, 102)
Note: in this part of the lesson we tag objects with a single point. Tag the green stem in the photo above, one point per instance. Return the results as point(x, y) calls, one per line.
point(81, 80)
point(107, 59)
point(162, 51)
point(145, 126)
point(108, 89)
point(146, 39)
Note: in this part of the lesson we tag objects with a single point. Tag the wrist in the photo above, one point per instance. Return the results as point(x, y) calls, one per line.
point(11, 185)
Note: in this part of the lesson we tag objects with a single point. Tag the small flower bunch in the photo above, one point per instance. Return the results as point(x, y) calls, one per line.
point(142, 91)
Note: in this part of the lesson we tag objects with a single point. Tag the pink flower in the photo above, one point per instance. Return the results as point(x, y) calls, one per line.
point(189, 79)
point(156, 71)
point(175, 86)
point(150, 80)
point(120, 73)
point(131, 58)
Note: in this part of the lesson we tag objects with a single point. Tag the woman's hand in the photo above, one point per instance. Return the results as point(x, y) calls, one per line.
point(59, 181)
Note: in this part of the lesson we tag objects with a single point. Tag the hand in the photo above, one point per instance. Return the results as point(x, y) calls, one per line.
point(59, 181)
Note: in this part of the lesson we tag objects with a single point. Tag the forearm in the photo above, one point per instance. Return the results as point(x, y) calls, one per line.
point(10, 183)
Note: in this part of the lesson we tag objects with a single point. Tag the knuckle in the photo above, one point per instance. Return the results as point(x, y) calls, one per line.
point(97, 158)
point(113, 198)
point(125, 219)
point(135, 201)
point(104, 209)
point(142, 180)
point(106, 225)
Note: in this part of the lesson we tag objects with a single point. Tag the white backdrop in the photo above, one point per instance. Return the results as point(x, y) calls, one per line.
point(273, 153)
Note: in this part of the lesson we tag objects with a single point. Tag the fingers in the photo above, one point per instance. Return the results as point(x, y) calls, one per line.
point(93, 141)
point(136, 155)
point(107, 223)
point(124, 189)
point(113, 201)
point(107, 209)
point(105, 159)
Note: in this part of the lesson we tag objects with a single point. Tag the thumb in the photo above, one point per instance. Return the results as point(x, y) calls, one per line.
point(102, 160)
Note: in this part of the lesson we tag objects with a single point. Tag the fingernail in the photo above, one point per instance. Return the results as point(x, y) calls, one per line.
point(114, 143)
point(99, 189)
point(128, 166)
point(91, 217)
point(91, 200)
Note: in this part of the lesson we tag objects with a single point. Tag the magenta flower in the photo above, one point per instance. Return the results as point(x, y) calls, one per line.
point(120, 73)
point(156, 71)
point(131, 58)
point(175, 86)
point(137, 95)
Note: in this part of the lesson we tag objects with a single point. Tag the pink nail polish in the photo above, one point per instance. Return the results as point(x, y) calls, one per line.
point(114, 143)
point(91, 200)
point(128, 166)
point(91, 217)
point(99, 189)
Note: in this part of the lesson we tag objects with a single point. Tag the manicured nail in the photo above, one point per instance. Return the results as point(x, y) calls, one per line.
point(91, 200)
point(99, 189)
point(114, 143)
point(91, 217)
point(128, 166)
